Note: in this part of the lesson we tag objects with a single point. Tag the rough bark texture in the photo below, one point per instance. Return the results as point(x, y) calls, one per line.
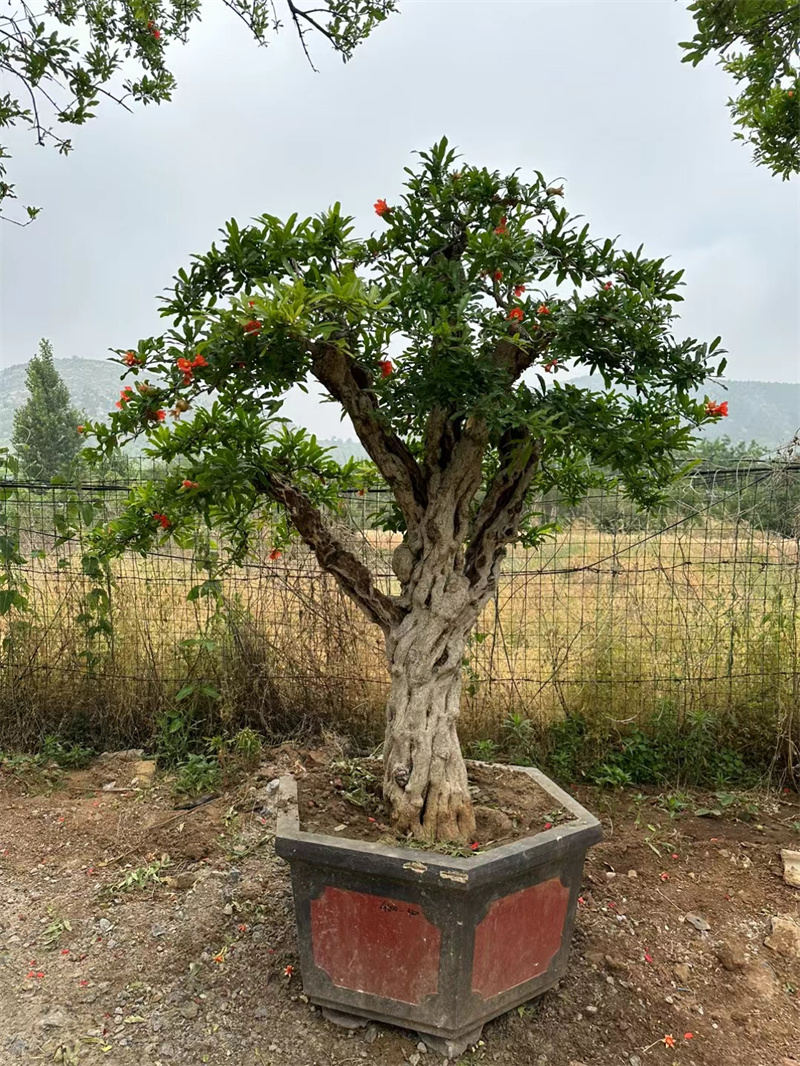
point(425, 780)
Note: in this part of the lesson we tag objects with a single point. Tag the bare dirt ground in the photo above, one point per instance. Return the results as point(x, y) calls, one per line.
point(110, 953)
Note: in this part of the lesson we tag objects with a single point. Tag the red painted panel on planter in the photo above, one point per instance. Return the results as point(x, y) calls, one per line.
point(374, 944)
point(518, 937)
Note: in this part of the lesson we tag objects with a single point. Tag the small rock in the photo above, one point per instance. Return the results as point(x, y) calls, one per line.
point(158, 930)
point(697, 921)
point(143, 772)
point(632, 874)
point(784, 938)
point(610, 875)
point(682, 974)
point(791, 867)
point(591, 1009)
point(187, 879)
point(190, 1009)
point(634, 1060)
point(414, 1059)
point(105, 926)
point(261, 1012)
point(250, 890)
point(54, 1019)
point(614, 963)
point(371, 1034)
point(422, 1048)
point(731, 956)
point(761, 980)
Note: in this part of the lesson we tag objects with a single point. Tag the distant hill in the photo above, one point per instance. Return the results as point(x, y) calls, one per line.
point(765, 411)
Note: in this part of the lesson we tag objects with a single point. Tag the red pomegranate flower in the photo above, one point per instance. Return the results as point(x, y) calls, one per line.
point(498, 275)
point(381, 207)
point(516, 314)
point(130, 359)
point(607, 285)
point(253, 326)
point(518, 290)
point(80, 429)
point(551, 365)
point(276, 553)
point(162, 519)
point(386, 367)
point(199, 360)
point(543, 309)
point(187, 484)
point(717, 409)
point(501, 229)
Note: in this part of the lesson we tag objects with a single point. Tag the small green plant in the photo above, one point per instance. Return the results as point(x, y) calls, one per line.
point(359, 786)
point(56, 929)
point(612, 776)
point(67, 756)
point(483, 750)
point(518, 736)
point(247, 747)
point(197, 774)
point(143, 876)
point(674, 803)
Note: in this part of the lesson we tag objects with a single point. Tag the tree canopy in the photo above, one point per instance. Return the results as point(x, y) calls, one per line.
point(45, 426)
point(758, 42)
point(63, 57)
point(443, 338)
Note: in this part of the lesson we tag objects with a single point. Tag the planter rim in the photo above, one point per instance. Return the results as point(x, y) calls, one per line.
point(422, 866)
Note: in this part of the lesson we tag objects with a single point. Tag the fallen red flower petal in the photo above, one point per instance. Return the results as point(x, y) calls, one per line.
point(474, 845)
point(548, 825)
point(688, 1036)
point(648, 958)
point(669, 1040)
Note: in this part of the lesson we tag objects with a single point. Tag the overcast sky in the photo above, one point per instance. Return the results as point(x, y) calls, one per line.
point(589, 90)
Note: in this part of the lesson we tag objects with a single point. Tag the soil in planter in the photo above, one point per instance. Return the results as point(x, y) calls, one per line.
point(345, 799)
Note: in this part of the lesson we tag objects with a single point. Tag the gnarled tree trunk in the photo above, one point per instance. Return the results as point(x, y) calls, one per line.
point(425, 779)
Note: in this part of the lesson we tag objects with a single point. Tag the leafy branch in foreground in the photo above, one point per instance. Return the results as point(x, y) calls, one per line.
point(59, 59)
point(758, 42)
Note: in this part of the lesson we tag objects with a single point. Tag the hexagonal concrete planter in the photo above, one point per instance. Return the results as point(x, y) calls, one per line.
point(429, 942)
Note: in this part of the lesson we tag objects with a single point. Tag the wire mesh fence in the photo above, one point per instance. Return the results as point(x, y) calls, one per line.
point(622, 616)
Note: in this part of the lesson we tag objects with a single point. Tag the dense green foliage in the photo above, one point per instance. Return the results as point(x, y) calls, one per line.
point(758, 42)
point(483, 286)
point(46, 437)
point(63, 56)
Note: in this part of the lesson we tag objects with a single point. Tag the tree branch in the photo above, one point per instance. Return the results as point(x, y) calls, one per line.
point(353, 576)
point(497, 521)
point(341, 376)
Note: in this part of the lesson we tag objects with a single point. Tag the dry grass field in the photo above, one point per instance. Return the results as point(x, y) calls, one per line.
point(616, 627)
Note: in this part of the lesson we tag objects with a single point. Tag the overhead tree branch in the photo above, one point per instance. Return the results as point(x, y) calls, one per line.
point(497, 522)
point(353, 576)
point(340, 375)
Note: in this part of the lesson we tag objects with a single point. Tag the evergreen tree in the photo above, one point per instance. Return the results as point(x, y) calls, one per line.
point(46, 437)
